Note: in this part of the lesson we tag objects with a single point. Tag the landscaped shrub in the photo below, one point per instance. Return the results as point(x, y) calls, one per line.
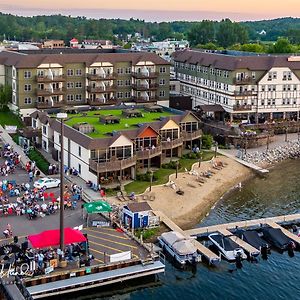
point(146, 177)
point(171, 165)
point(39, 159)
point(207, 141)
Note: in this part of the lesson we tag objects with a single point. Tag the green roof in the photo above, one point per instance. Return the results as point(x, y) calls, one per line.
point(97, 207)
point(101, 130)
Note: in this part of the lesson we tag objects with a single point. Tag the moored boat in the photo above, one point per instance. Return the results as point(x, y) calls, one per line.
point(179, 247)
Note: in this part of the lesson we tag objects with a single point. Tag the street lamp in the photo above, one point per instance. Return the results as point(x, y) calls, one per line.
point(151, 179)
point(177, 164)
point(200, 159)
point(61, 116)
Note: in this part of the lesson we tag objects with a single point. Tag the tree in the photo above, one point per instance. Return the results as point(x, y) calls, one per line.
point(282, 46)
point(208, 46)
point(5, 95)
point(202, 33)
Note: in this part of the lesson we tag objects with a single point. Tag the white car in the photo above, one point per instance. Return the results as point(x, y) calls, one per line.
point(47, 183)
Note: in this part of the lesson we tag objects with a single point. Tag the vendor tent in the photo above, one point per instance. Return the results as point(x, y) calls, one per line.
point(51, 238)
point(97, 207)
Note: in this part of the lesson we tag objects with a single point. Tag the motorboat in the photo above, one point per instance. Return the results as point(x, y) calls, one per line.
point(252, 238)
point(277, 238)
point(179, 247)
point(227, 247)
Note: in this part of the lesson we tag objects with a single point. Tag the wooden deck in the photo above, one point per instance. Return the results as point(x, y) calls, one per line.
point(209, 255)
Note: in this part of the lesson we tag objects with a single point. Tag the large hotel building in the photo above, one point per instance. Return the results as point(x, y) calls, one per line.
point(246, 85)
point(66, 77)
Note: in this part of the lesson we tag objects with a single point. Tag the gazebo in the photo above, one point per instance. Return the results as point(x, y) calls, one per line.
point(109, 119)
point(95, 208)
point(132, 113)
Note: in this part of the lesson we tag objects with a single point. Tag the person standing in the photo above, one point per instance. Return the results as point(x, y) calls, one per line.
point(30, 176)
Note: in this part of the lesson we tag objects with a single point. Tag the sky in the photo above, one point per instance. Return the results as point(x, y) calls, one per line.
point(157, 10)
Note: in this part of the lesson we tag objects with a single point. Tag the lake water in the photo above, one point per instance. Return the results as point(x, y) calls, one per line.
point(275, 278)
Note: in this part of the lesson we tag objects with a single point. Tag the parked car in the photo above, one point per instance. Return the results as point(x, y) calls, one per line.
point(47, 183)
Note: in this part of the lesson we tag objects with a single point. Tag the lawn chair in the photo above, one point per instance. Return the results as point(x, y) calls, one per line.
point(119, 196)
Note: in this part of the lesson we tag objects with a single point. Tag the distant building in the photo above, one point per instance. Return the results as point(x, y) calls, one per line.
point(74, 43)
point(263, 32)
point(94, 44)
point(51, 44)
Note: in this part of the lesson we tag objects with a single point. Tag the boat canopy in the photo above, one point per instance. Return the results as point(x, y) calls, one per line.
point(184, 247)
point(172, 237)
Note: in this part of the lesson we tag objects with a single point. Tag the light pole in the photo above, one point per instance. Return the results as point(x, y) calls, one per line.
point(200, 159)
point(177, 164)
point(61, 116)
point(151, 179)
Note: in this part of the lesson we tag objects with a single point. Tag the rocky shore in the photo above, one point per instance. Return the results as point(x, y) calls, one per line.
point(290, 150)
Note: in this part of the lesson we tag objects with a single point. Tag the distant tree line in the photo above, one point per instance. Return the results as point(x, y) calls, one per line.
point(257, 36)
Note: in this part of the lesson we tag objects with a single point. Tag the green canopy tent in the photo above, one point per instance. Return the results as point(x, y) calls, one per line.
point(96, 208)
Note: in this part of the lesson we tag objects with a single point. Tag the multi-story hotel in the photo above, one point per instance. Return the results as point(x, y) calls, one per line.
point(55, 78)
point(107, 151)
point(253, 86)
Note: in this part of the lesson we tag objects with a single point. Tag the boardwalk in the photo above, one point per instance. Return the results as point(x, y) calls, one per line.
point(209, 255)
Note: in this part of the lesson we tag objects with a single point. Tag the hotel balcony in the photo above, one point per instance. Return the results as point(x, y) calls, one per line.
point(99, 101)
point(56, 78)
point(171, 144)
point(242, 108)
point(148, 153)
point(142, 75)
point(189, 136)
point(246, 80)
point(47, 105)
point(49, 92)
point(144, 99)
point(113, 165)
point(244, 93)
point(101, 89)
point(144, 87)
point(97, 77)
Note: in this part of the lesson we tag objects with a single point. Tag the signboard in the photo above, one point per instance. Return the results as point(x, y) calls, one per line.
point(120, 256)
point(97, 223)
point(88, 270)
point(11, 129)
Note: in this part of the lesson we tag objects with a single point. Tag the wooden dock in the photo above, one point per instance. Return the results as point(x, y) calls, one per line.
point(245, 163)
point(248, 248)
point(212, 258)
point(242, 224)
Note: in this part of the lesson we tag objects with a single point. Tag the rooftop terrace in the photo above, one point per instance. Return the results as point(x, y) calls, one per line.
point(102, 130)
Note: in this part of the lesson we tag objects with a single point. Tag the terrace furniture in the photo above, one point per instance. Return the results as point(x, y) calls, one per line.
point(132, 113)
point(109, 119)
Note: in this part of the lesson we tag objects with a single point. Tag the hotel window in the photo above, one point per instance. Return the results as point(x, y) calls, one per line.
point(79, 168)
point(274, 75)
point(283, 101)
point(294, 101)
point(27, 74)
point(78, 84)
point(120, 70)
point(270, 76)
point(70, 72)
point(79, 151)
point(162, 93)
point(27, 100)
point(262, 102)
point(128, 70)
point(127, 82)
point(273, 101)
point(78, 97)
point(78, 72)
point(70, 97)
point(162, 82)
point(263, 88)
point(120, 83)
point(70, 85)
point(119, 95)
point(289, 75)
point(127, 94)
point(40, 73)
point(269, 101)
point(27, 87)
point(162, 70)
point(253, 75)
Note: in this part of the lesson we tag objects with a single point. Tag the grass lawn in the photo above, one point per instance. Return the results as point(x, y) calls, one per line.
point(163, 174)
point(92, 118)
point(9, 118)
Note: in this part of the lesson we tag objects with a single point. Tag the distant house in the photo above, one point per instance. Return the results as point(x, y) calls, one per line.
point(263, 32)
point(136, 215)
point(74, 43)
point(51, 44)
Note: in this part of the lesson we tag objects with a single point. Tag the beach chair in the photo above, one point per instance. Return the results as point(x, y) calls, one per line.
point(119, 196)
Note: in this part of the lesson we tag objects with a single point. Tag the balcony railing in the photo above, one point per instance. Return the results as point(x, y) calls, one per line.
point(246, 80)
point(171, 144)
point(242, 107)
point(148, 153)
point(145, 75)
point(101, 101)
point(113, 165)
point(46, 105)
point(189, 136)
point(144, 99)
point(96, 77)
point(144, 87)
point(101, 89)
point(55, 78)
point(49, 92)
point(245, 93)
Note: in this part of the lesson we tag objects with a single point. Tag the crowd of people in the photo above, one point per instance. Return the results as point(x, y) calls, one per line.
point(11, 160)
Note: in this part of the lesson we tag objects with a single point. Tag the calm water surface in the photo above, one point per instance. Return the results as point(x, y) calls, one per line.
point(276, 278)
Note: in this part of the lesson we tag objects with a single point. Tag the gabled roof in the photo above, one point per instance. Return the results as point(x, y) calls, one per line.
point(139, 206)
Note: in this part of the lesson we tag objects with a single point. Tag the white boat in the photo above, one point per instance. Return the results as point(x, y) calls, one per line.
point(179, 247)
point(228, 248)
